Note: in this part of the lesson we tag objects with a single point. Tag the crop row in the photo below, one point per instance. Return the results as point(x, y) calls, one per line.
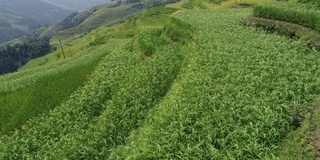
point(233, 96)
point(229, 97)
point(127, 109)
point(312, 2)
point(303, 14)
point(48, 92)
point(75, 114)
point(102, 114)
point(35, 91)
point(149, 39)
point(21, 79)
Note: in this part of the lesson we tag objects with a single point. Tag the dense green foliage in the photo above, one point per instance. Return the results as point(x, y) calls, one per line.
point(28, 93)
point(313, 2)
point(27, 77)
point(13, 57)
point(197, 85)
point(210, 99)
point(79, 24)
point(121, 91)
point(302, 14)
point(18, 106)
point(229, 101)
point(306, 35)
point(148, 38)
point(295, 20)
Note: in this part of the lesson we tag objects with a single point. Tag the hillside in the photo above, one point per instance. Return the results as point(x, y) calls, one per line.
point(236, 79)
point(19, 17)
point(78, 5)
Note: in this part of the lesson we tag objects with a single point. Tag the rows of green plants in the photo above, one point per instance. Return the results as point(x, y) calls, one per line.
point(127, 109)
point(28, 93)
point(312, 2)
point(75, 114)
point(156, 16)
point(303, 14)
point(305, 35)
point(47, 92)
point(233, 95)
point(25, 78)
point(227, 93)
point(99, 116)
point(148, 38)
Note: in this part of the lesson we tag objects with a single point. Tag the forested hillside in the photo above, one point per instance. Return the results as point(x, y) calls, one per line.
point(237, 79)
point(13, 57)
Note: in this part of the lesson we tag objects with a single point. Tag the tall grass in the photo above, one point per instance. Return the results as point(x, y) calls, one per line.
point(48, 92)
point(76, 114)
point(29, 93)
point(312, 2)
point(302, 14)
point(230, 101)
point(99, 116)
point(226, 93)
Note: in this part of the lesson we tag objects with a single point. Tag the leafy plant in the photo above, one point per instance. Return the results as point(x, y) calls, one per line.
point(149, 39)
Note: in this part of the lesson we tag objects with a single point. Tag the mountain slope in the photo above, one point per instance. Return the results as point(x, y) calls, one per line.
point(76, 4)
point(19, 17)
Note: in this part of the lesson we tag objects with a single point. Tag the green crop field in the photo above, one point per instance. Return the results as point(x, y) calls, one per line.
point(302, 14)
point(165, 83)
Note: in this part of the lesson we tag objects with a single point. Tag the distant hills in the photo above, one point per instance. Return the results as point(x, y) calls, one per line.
point(19, 17)
point(76, 4)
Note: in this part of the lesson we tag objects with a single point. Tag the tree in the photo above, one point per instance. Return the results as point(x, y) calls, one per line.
point(14, 56)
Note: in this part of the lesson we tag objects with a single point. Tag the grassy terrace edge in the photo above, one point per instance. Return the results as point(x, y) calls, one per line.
point(308, 36)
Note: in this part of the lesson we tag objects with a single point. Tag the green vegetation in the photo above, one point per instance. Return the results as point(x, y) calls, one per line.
point(239, 3)
point(198, 4)
point(103, 17)
point(303, 143)
point(18, 106)
point(13, 57)
point(301, 22)
point(71, 49)
point(296, 20)
point(149, 39)
point(312, 2)
point(125, 76)
point(169, 84)
point(44, 86)
point(157, 16)
point(305, 35)
point(80, 24)
point(301, 14)
point(227, 102)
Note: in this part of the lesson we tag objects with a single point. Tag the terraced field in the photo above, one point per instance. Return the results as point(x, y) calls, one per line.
point(198, 84)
